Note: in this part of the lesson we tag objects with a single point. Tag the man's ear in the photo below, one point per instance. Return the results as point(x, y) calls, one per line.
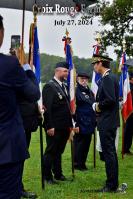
point(1, 36)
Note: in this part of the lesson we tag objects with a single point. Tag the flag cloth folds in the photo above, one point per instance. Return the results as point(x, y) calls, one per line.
point(72, 74)
point(125, 92)
point(95, 76)
point(36, 55)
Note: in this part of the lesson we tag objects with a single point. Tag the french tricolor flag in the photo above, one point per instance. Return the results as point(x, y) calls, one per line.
point(95, 77)
point(125, 91)
point(96, 49)
point(94, 84)
point(71, 77)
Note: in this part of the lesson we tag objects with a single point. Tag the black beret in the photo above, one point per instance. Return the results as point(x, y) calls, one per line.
point(83, 74)
point(62, 65)
point(98, 58)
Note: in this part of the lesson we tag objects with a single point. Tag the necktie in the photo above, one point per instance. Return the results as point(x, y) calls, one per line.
point(64, 89)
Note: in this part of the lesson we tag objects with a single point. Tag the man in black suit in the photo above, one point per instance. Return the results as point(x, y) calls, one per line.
point(13, 149)
point(57, 122)
point(107, 108)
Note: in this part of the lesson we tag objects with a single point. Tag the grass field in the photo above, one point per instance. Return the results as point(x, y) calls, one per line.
point(93, 178)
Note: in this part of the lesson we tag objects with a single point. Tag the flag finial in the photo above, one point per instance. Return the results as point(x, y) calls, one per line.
point(98, 38)
point(67, 33)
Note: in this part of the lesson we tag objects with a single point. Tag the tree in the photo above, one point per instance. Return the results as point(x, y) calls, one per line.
point(119, 15)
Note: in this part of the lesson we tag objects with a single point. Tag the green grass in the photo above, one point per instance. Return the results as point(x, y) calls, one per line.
point(93, 178)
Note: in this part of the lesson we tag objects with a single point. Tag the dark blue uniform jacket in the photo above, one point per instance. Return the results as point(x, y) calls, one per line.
point(85, 116)
point(13, 84)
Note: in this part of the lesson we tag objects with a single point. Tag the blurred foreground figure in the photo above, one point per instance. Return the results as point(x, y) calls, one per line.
point(13, 148)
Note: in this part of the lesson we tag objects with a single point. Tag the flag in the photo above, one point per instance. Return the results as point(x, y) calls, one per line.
point(96, 49)
point(31, 43)
point(125, 91)
point(94, 84)
point(71, 77)
point(36, 55)
point(95, 76)
point(71, 80)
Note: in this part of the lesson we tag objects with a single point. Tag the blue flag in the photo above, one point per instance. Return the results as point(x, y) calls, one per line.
point(36, 56)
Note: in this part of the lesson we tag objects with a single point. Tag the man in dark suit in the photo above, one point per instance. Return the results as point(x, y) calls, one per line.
point(85, 120)
point(107, 108)
point(13, 150)
point(57, 122)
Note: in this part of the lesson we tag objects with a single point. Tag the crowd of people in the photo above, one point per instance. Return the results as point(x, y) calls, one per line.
point(19, 116)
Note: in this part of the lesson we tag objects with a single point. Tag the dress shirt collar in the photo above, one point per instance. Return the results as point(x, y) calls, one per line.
point(59, 82)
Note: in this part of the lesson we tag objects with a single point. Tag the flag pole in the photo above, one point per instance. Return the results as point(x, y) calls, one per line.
point(123, 122)
point(67, 41)
point(98, 39)
point(35, 8)
point(22, 40)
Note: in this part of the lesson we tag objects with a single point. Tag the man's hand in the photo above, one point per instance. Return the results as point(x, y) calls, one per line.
point(76, 130)
point(51, 132)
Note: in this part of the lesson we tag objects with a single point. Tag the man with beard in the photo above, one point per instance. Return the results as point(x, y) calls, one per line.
point(57, 122)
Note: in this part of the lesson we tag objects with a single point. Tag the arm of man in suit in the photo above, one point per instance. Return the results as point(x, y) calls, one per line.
point(22, 84)
point(48, 96)
point(109, 94)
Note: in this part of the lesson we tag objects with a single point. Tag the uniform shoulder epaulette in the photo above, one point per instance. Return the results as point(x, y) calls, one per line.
point(106, 74)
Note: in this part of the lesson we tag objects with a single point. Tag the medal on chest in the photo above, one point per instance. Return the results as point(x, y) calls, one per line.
point(85, 95)
point(60, 96)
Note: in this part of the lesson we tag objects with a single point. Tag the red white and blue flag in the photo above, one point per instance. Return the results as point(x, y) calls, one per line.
point(96, 49)
point(96, 76)
point(71, 77)
point(125, 92)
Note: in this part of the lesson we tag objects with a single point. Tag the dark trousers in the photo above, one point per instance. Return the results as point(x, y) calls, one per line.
point(28, 139)
point(107, 139)
point(128, 134)
point(54, 150)
point(81, 148)
point(10, 180)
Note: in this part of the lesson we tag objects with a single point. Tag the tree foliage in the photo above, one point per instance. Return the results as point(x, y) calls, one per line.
point(119, 18)
point(48, 63)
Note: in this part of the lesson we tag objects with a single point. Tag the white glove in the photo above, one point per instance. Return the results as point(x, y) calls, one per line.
point(26, 67)
point(94, 106)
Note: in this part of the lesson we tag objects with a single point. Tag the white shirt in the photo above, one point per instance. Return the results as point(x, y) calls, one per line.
point(59, 82)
